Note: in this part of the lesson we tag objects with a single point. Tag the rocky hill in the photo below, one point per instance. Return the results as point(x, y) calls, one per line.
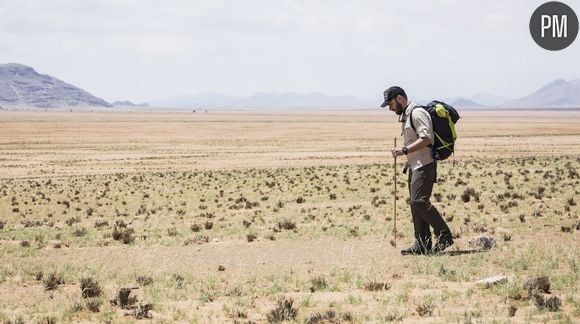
point(559, 93)
point(22, 86)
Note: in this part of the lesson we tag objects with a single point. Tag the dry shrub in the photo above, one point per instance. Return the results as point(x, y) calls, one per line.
point(286, 224)
point(52, 281)
point(541, 284)
point(507, 236)
point(90, 288)
point(425, 308)
point(330, 316)
point(80, 232)
point(93, 304)
point(377, 286)
point(122, 233)
point(195, 228)
point(171, 231)
point(144, 280)
point(48, 319)
point(72, 221)
point(512, 310)
point(566, 229)
point(318, 283)
point(124, 298)
point(101, 223)
point(284, 311)
point(552, 304)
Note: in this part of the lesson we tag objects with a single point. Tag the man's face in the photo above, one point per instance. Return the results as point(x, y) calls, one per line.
point(395, 106)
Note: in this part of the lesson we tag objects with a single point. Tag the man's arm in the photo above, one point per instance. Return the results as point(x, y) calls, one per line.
point(415, 146)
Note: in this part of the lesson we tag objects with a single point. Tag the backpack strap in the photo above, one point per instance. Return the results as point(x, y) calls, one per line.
point(413, 126)
point(411, 116)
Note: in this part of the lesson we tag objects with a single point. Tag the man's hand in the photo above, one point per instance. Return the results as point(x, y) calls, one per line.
point(397, 152)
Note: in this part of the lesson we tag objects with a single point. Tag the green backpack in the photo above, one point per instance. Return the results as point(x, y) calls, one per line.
point(444, 118)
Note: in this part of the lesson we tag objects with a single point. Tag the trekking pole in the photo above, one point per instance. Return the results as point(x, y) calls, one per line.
point(395, 200)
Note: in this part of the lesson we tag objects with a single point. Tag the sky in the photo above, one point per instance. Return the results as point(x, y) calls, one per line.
point(144, 50)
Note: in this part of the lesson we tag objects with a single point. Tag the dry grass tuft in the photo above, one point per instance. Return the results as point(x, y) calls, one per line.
point(541, 284)
point(124, 298)
point(52, 281)
point(144, 280)
point(377, 286)
point(93, 304)
point(90, 288)
point(284, 311)
point(330, 316)
point(123, 233)
point(512, 309)
point(552, 304)
point(318, 284)
point(251, 237)
point(425, 308)
point(286, 224)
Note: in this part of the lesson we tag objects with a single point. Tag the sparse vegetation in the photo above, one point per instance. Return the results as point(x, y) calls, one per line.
point(284, 311)
point(321, 221)
point(90, 288)
point(52, 281)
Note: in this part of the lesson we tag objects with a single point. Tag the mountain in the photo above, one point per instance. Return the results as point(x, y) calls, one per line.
point(489, 99)
point(22, 86)
point(264, 100)
point(127, 103)
point(465, 103)
point(206, 99)
point(559, 93)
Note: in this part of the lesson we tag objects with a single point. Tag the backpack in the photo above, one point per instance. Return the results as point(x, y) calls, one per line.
point(444, 118)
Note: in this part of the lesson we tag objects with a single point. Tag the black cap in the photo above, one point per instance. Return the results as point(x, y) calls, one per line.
point(391, 93)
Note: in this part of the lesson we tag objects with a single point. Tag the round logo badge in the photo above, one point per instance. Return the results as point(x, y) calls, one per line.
point(554, 26)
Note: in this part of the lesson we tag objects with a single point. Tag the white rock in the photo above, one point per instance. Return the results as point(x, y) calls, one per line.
point(491, 281)
point(482, 242)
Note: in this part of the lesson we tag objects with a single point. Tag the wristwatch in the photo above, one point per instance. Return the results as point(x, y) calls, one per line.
point(405, 150)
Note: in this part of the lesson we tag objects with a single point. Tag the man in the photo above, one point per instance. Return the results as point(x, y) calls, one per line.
point(417, 143)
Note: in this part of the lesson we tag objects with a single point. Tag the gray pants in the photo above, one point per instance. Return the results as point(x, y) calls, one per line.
point(424, 214)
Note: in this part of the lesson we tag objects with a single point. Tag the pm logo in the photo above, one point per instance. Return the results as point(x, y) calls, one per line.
point(554, 26)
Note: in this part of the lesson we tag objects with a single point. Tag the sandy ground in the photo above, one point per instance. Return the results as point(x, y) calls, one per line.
point(38, 144)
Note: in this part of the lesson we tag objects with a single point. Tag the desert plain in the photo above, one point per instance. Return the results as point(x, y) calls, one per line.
point(257, 216)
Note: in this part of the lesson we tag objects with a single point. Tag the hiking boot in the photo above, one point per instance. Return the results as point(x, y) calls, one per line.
point(442, 244)
point(416, 249)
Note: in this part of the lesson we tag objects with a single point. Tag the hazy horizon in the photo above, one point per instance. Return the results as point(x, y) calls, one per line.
point(147, 50)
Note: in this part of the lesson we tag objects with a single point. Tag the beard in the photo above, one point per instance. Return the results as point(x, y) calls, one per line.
point(399, 109)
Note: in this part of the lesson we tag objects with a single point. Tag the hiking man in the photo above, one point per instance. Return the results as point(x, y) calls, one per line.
point(417, 140)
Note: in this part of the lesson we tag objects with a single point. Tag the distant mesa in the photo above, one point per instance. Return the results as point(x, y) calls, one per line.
point(127, 103)
point(21, 86)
